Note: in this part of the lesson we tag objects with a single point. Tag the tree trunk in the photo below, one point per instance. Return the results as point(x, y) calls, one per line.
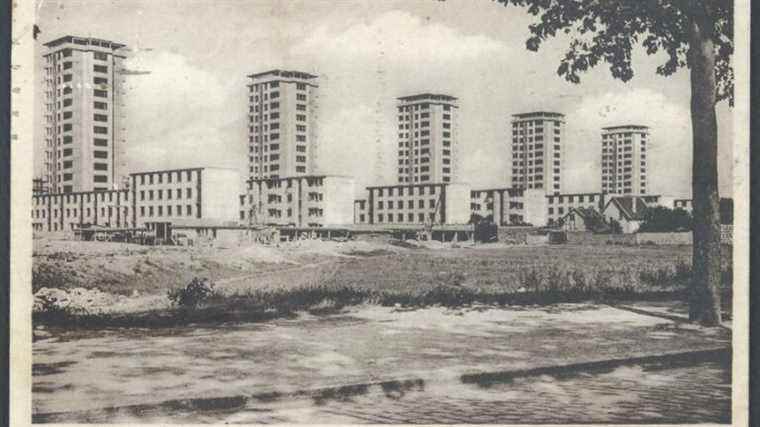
point(704, 298)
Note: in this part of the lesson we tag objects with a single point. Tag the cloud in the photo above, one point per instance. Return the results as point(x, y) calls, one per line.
point(670, 130)
point(176, 112)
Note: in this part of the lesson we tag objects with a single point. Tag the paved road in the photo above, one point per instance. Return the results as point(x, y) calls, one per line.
point(203, 375)
point(687, 392)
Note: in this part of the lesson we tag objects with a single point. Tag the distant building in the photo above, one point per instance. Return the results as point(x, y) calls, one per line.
point(624, 159)
point(299, 201)
point(282, 122)
point(84, 146)
point(70, 211)
point(558, 205)
point(414, 204)
point(537, 151)
point(628, 211)
point(39, 186)
point(179, 196)
point(427, 138)
point(504, 206)
point(184, 196)
point(583, 219)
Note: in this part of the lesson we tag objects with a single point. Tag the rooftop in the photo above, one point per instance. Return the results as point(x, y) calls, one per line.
point(428, 96)
point(84, 41)
point(625, 127)
point(533, 114)
point(284, 74)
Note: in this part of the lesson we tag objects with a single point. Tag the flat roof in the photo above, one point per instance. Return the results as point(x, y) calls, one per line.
point(625, 127)
point(85, 41)
point(537, 114)
point(284, 73)
point(439, 184)
point(577, 194)
point(284, 178)
point(194, 168)
point(423, 96)
point(510, 189)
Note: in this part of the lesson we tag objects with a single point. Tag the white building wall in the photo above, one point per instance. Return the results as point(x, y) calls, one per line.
point(219, 194)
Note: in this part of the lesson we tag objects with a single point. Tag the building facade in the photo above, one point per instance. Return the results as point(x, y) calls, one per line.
point(503, 206)
point(70, 211)
point(185, 196)
point(179, 196)
point(282, 121)
point(427, 138)
point(558, 205)
point(537, 151)
point(299, 201)
point(624, 159)
point(414, 204)
point(84, 145)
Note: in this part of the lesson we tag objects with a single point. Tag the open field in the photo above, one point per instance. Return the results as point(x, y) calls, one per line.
point(105, 278)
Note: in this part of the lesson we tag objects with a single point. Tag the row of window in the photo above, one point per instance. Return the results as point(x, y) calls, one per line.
point(106, 211)
point(158, 177)
point(159, 210)
point(160, 194)
point(409, 204)
point(400, 217)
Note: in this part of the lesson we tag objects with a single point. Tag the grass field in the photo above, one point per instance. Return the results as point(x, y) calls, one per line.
point(254, 280)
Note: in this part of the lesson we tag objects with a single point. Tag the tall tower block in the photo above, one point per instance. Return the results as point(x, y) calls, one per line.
point(537, 151)
point(282, 134)
point(427, 135)
point(84, 149)
point(624, 159)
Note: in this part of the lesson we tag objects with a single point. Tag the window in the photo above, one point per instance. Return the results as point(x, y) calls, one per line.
point(100, 129)
point(100, 166)
point(100, 154)
point(100, 117)
point(100, 68)
point(100, 93)
point(68, 164)
point(189, 193)
point(100, 178)
point(67, 77)
point(100, 142)
point(100, 80)
point(189, 210)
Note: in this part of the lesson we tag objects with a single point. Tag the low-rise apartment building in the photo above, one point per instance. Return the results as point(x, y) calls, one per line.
point(414, 204)
point(182, 196)
point(70, 211)
point(300, 201)
point(179, 196)
point(560, 204)
point(499, 205)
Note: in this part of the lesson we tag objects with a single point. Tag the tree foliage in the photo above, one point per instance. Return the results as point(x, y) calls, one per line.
point(609, 30)
point(660, 219)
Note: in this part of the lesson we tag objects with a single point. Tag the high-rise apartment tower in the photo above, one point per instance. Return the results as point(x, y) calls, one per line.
point(84, 148)
point(282, 137)
point(624, 159)
point(427, 138)
point(537, 151)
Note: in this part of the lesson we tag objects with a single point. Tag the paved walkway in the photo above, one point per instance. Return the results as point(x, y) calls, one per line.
point(142, 376)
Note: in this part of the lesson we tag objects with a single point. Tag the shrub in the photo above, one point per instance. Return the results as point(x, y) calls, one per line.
point(193, 295)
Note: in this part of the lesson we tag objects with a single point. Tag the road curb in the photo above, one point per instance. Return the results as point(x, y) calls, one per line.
point(391, 387)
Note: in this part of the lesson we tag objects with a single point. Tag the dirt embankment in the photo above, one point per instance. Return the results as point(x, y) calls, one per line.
point(118, 277)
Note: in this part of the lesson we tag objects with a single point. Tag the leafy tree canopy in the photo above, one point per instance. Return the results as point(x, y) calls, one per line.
point(662, 219)
point(608, 30)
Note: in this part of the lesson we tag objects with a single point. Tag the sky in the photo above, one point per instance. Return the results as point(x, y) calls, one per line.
point(190, 108)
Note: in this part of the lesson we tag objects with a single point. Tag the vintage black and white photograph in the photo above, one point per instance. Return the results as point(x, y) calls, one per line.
point(386, 212)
